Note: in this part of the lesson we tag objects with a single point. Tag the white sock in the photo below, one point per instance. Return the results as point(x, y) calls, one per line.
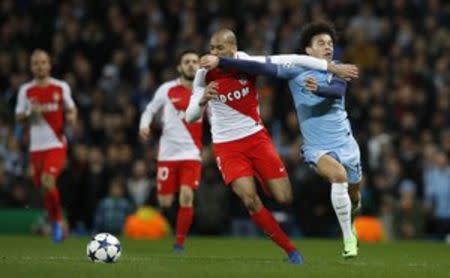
point(342, 206)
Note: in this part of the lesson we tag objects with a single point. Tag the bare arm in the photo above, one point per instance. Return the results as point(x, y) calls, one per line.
point(71, 116)
point(69, 105)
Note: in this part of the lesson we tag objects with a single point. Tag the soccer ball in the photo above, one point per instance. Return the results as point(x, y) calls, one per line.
point(104, 248)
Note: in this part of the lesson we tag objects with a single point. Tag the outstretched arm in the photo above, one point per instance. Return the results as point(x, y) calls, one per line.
point(336, 88)
point(345, 71)
point(290, 61)
point(251, 67)
point(287, 60)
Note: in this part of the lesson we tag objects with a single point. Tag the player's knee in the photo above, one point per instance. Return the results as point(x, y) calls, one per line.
point(339, 176)
point(186, 197)
point(47, 181)
point(252, 202)
point(165, 202)
point(285, 199)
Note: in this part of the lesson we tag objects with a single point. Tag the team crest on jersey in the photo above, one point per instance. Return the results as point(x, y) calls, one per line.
point(243, 79)
point(56, 96)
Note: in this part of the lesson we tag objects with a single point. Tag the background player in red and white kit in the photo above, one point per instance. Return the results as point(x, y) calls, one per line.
point(179, 160)
point(242, 145)
point(43, 103)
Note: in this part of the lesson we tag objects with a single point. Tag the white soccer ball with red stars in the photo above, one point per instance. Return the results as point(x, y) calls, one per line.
point(104, 248)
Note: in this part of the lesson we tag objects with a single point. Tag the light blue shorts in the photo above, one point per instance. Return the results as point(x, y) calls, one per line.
point(348, 155)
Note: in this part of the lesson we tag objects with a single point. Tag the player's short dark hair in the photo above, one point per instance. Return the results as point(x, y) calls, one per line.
point(315, 28)
point(184, 52)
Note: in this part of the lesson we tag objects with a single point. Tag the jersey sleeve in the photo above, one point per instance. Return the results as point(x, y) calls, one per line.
point(288, 65)
point(22, 105)
point(289, 71)
point(330, 86)
point(67, 96)
point(194, 111)
point(153, 107)
point(305, 61)
point(244, 56)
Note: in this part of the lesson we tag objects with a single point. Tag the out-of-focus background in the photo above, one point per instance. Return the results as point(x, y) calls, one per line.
point(114, 54)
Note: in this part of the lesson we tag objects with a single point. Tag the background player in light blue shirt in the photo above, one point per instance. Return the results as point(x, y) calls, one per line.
point(319, 99)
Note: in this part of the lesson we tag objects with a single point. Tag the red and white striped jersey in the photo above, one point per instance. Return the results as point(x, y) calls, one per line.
point(52, 99)
point(179, 140)
point(235, 113)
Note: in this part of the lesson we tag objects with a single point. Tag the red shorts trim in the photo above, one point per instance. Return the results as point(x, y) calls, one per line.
point(172, 174)
point(50, 162)
point(253, 156)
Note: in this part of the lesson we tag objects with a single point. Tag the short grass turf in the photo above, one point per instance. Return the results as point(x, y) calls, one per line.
point(26, 256)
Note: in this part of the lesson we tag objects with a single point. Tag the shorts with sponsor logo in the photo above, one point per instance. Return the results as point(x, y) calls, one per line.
point(172, 174)
point(48, 161)
point(251, 156)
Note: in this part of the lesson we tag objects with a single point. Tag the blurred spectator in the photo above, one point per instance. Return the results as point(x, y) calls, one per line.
point(139, 185)
point(437, 192)
point(113, 210)
point(408, 213)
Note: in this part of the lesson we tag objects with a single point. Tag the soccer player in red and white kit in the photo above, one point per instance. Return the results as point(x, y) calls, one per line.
point(242, 145)
point(43, 103)
point(179, 160)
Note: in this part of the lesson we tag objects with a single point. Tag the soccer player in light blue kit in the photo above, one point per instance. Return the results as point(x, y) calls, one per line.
point(319, 99)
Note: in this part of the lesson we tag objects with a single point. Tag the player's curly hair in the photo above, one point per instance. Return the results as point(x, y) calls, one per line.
point(315, 28)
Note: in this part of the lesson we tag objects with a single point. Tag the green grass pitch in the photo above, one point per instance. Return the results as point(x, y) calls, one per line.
point(22, 256)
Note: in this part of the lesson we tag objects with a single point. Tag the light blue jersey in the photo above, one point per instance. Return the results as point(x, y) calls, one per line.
point(323, 121)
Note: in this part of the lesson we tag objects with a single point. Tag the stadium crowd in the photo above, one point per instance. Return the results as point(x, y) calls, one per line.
point(114, 54)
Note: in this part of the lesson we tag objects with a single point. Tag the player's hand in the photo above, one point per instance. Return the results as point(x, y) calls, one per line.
point(209, 61)
point(311, 84)
point(210, 93)
point(34, 105)
point(344, 71)
point(144, 134)
point(71, 117)
point(35, 109)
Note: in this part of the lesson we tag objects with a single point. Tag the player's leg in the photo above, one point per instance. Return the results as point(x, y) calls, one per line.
point(245, 189)
point(281, 190)
point(185, 215)
point(53, 163)
point(165, 201)
point(351, 159)
point(331, 169)
point(271, 170)
point(237, 170)
point(190, 173)
point(166, 185)
point(355, 198)
point(47, 183)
